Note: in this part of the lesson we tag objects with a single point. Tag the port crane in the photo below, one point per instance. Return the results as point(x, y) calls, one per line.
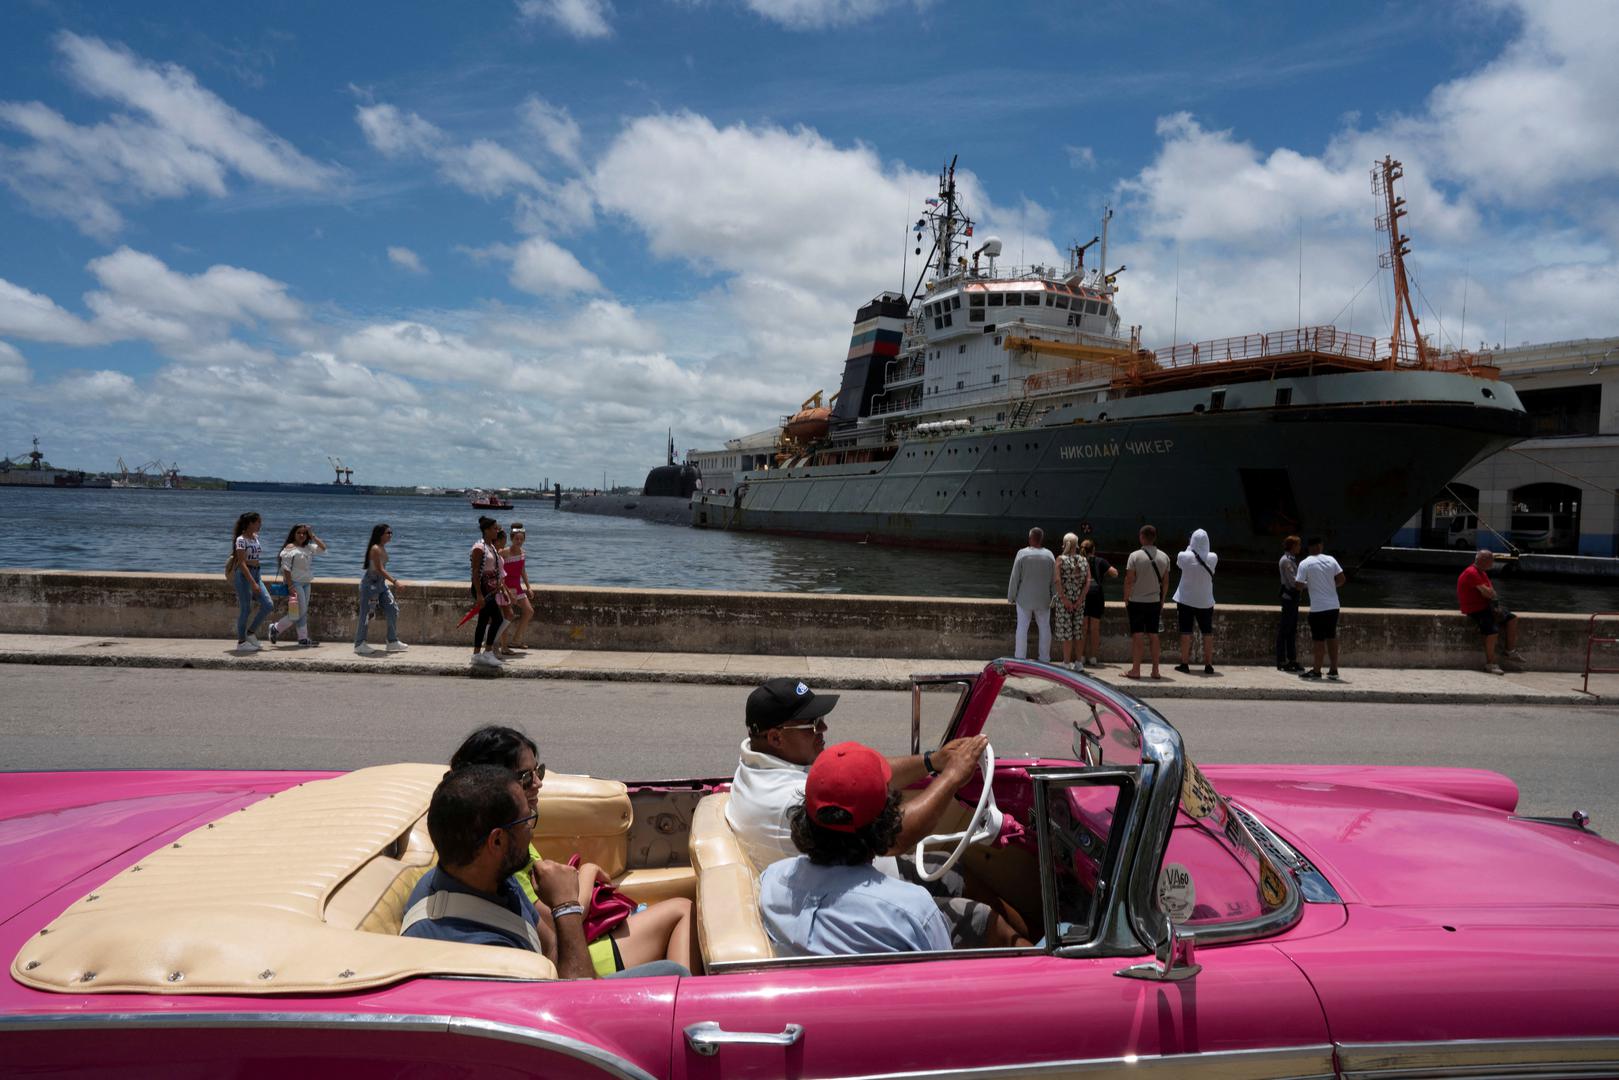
point(345, 475)
point(34, 457)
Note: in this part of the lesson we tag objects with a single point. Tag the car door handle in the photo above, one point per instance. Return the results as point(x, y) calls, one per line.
point(707, 1037)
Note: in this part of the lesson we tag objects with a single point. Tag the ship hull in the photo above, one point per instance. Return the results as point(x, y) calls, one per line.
point(1350, 473)
point(271, 486)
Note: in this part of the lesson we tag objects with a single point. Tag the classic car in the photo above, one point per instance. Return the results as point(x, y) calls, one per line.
point(1219, 920)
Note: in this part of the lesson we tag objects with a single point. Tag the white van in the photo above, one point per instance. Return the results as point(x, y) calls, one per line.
point(1543, 531)
point(1461, 531)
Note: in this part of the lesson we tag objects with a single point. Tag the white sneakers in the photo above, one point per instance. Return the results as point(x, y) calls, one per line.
point(249, 645)
point(1493, 669)
point(487, 659)
point(397, 646)
point(363, 649)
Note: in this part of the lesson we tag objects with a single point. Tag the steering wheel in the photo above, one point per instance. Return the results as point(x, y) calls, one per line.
point(984, 827)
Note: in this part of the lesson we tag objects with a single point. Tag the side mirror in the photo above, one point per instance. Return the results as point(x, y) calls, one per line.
point(1175, 960)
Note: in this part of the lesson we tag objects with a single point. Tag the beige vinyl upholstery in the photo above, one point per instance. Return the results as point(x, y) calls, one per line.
point(729, 929)
point(245, 904)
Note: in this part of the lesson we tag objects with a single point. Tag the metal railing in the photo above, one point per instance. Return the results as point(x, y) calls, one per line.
point(1591, 640)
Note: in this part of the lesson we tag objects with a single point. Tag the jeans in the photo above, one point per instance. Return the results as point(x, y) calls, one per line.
point(1287, 632)
point(1042, 619)
point(300, 589)
point(650, 969)
point(374, 590)
point(246, 593)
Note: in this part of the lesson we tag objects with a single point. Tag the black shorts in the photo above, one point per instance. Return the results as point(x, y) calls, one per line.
point(1324, 625)
point(1144, 615)
point(1490, 620)
point(1094, 604)
point(1202, 616)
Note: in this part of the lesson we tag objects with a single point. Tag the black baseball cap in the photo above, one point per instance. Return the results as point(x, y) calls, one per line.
point(782, 701)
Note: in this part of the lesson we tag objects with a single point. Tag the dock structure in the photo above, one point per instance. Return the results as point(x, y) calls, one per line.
point(1555, 493)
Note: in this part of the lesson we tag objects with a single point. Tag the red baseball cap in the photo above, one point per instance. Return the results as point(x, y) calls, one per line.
point(850, 778)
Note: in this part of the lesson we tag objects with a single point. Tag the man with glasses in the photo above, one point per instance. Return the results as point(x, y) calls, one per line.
point(786, 733)
point(481, 827)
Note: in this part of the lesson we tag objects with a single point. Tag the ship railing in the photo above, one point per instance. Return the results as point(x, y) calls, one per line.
point(1317, 340)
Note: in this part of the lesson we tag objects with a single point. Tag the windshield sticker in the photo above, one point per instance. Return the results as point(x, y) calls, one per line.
point(1271, 889)
point(1198, 797)
point(1177, 895)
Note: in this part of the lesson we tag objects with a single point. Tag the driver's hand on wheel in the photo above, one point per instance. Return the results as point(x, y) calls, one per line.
point(957, 759)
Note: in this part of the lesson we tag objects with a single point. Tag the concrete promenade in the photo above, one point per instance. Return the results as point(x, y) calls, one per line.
point(1443, 686)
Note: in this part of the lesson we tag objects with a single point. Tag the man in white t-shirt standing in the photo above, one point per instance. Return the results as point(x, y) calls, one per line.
point(1146, 583)
point(1321, 575)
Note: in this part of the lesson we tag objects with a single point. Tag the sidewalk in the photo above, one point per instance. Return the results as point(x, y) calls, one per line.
point(1453, 687)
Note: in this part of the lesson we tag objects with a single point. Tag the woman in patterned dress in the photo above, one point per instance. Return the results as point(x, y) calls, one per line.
point(1070, 581)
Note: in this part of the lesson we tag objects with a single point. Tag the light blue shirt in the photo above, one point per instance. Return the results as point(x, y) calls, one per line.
point(812, 910)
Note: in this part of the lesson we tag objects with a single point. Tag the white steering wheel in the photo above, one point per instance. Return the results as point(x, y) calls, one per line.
point(984, 827)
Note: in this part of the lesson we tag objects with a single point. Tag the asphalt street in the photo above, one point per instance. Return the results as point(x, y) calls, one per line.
point(101, 718)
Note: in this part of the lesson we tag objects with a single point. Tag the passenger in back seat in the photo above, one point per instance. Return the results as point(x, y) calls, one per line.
point(661, 931)
point(787, 726)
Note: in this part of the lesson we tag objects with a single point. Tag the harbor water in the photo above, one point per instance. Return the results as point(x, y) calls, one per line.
point(178, 531)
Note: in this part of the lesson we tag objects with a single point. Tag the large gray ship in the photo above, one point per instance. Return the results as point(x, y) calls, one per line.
point(990, 402)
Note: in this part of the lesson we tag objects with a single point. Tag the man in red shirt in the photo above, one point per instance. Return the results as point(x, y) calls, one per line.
point(1476, 597)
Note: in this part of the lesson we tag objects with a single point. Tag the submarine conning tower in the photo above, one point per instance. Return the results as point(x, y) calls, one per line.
point(879, 327)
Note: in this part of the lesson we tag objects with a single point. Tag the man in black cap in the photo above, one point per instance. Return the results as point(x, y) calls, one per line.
point(786, 733)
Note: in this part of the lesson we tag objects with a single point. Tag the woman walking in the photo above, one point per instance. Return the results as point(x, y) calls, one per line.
point(1095, 601)
point(1070, 584)
point(249, 585)
point(487, 587)
point(298, 571)
point(516, 578)
point(1194, 600)
point(375, 590)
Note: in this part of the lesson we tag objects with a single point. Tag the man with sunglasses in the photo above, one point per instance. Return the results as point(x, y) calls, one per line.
point(481, 826)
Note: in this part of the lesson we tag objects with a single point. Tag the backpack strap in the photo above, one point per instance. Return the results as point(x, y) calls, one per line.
point(1157, 573)
point(473, 909)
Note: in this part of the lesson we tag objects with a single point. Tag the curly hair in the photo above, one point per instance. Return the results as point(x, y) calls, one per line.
point(829, 847)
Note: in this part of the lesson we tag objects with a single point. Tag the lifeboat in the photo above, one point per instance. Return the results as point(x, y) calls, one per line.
point(811, 422)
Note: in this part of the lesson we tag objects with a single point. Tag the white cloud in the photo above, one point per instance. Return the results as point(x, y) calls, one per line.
point(222, 292)
point(544, 269)
point(29, 315)
point(422, 351)
point(821, 14)
point(396, 133)
point(556, 127)
point(1081, 157)
point(13, 366)
point(175, 138)
point(113, 388)
point(582, 19)
point(406, 259)
point(483, 167)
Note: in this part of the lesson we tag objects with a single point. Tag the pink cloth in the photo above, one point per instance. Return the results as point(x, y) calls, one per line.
point(514, 572)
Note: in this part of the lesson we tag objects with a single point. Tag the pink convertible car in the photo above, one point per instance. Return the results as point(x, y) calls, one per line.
point(1227, 921)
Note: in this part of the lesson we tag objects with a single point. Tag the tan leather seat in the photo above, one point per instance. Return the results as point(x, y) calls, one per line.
point(729, 929)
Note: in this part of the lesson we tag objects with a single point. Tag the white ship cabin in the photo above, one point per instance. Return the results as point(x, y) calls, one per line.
point(956, 350)
point(720, 468)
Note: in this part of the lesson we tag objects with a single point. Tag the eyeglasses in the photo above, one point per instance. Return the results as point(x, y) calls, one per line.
point(536, 774)
point(528, 819)
point(810, 725)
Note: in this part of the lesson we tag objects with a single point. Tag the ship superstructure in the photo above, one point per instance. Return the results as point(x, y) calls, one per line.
point(989, 401)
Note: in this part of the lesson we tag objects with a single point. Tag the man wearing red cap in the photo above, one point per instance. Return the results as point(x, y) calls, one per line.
point(830, 900)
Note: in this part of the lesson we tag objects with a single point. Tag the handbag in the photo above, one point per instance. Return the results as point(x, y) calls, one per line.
point(608, 907)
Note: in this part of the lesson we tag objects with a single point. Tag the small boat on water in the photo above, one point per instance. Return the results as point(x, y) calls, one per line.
point(488, 500)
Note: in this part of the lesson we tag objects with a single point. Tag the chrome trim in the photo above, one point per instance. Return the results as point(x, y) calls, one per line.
point(1312, 883)
point(919, 681)
point(447, 1024)
point(1579, 821)
point(1499, 1059)
point(1292, 1063)
point(768, 963)
point(706, 1037)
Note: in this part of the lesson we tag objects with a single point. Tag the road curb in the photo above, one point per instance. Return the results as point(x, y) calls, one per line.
point(1197, 689)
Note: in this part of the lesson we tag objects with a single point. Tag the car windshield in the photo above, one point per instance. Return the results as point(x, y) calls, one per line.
point(1213, 870)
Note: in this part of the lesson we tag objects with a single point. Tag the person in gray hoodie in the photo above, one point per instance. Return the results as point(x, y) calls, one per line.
point(1033, 572)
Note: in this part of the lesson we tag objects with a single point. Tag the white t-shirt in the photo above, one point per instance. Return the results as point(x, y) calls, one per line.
point(764, 788)
point(1320, 573)
point(1196, 586)
point(1147, 589)
point(300, 561)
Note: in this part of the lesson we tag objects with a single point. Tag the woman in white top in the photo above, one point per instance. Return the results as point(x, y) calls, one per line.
point(243, 571)
point(1194, 600)
point(298, 571)
point(376, 590)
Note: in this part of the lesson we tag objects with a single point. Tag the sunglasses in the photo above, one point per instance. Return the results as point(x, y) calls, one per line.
point(536, 774)
point(808, 725)
point(527, 819)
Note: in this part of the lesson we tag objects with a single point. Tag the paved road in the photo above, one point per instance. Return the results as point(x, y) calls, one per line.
point(72, 718)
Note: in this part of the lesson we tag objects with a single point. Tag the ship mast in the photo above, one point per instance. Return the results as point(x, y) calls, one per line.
point(1384, 173)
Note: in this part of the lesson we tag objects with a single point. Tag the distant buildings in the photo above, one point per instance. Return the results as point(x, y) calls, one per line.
point(1557, 491)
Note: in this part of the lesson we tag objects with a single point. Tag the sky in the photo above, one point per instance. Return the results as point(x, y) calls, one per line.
point(490, 244)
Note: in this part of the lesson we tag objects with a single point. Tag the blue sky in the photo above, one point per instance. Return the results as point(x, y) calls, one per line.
point(483, 244)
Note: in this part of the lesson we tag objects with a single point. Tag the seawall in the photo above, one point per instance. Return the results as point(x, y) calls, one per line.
point(785, 624)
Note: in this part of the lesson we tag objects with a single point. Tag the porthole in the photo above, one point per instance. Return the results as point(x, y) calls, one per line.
point(1198, 407)
point(1487, 392)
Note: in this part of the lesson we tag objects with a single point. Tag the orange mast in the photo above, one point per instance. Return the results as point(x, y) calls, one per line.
point(1383, 176)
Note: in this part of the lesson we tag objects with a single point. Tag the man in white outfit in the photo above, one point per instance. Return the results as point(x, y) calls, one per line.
point(1033, 572)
